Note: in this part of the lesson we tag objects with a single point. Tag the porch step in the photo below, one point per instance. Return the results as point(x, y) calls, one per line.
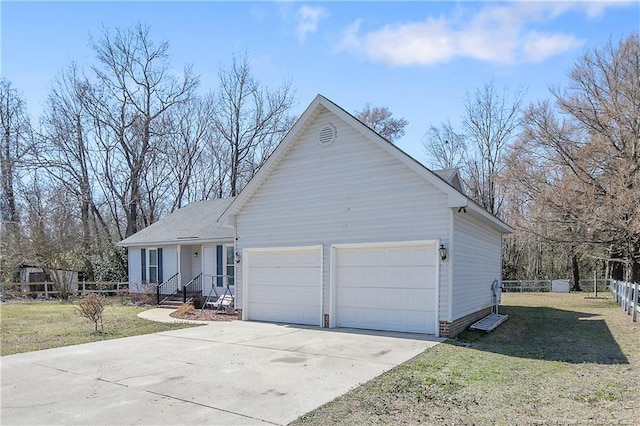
point(170, 305)
point(172, 302)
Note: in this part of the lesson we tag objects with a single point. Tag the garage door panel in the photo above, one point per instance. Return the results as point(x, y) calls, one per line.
point(387, 287)
point(408, 321)
point(285, 312)
point(285, 258)
point(284, 285)
point(285, 294)
point(284, 276)
point(387, 256)
point(383, 299)
point(389, 277)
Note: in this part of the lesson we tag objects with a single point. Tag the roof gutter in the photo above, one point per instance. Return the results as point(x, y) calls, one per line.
point(181, 241)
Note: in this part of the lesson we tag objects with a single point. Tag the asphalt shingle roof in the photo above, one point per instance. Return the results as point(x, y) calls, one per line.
point(194, 222)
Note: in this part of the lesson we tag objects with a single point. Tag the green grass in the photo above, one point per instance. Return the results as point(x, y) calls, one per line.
point(35, 325)
point(560, 358)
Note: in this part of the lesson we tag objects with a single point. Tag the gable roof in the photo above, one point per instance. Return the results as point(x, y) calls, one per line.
point(452, 176)
point(195, 222)
point(456, 198)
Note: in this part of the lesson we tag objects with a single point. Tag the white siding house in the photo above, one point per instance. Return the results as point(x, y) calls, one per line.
point(340, 228)
point(186, 245)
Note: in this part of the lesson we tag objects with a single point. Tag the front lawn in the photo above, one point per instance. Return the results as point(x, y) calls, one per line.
point(33, 325)
point(559, 359)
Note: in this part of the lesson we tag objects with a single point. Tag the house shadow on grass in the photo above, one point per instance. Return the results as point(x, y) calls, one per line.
point(549, 334)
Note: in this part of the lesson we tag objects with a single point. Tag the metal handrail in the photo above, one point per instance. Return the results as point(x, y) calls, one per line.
point(192, 288)
point(167, 288)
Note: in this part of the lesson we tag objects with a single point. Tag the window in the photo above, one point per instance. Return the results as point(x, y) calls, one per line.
point(230, 264)
point(153, 266)
point(225, 265)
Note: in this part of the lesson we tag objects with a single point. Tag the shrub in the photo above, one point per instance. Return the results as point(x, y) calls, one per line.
point(186, 309)
point(91, 307)
point(198, 301)
point(142, 299)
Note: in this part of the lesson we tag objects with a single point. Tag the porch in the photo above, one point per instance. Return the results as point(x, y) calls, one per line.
point(202, 273)
point(203, 287)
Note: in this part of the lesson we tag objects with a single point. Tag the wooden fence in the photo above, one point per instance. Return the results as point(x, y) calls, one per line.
point(49, 290)
point(628, 296)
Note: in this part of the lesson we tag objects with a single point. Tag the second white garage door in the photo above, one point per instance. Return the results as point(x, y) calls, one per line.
point(283, 285)
point(386, 287)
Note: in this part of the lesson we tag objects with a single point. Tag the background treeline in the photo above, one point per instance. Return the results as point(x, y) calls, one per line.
point(126, 139)
point(564, 172)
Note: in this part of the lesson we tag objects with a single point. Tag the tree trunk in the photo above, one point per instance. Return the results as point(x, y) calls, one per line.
point(615, 267)
point(576, 273)
point(635, 265)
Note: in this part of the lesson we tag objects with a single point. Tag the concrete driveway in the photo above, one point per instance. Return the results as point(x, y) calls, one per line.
point(223, 373)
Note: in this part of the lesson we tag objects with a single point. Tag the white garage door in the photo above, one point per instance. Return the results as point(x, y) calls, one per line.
point(386, 287)
point(283, 285)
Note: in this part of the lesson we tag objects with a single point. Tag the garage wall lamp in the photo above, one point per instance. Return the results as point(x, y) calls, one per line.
point(195, 254)
point(443, 252)
point(237, 257)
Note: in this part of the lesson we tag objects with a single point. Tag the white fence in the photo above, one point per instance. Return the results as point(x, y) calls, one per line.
point(627, 295)
point(526, 285)
point(547, 285)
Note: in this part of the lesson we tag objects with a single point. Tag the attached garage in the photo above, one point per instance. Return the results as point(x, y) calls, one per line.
point(365, 223)
point(389, 286)
point(283, 285)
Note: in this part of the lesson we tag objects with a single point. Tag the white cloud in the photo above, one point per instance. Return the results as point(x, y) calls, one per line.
point(350, 41)
point(500, 33)
point(423, 43)
point(595, 9)
point(536, 47)
point(308, 18)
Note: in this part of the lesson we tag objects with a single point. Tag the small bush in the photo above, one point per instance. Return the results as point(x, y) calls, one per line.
point(186, 309)
point(91, 307)
point(142, 299)
point(198, 301)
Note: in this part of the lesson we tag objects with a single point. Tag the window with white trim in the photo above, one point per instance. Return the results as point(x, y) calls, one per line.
point(152, 265)
point(230, 263)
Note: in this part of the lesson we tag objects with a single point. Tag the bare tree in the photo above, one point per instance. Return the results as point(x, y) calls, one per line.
point(589, 144)
point(135, 89)
point(52, 232)
point(16, 143)
point(445, 148)
point(380, 120)
point(491, 122)
point(66, 154)
point(186, 151)
point(250, 119)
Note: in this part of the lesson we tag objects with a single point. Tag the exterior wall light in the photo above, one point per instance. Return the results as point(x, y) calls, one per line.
point(443, 252)
point(195, 254)
point(237, 257)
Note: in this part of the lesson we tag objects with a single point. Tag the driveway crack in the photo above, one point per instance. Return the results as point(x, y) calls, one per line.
point(187, 401)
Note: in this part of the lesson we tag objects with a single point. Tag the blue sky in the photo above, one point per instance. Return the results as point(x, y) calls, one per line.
point(417, 58)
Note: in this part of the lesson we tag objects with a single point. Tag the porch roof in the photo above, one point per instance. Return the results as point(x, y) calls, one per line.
point(195, 222)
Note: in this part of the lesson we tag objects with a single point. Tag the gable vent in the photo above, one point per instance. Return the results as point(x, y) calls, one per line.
point(327, 134)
